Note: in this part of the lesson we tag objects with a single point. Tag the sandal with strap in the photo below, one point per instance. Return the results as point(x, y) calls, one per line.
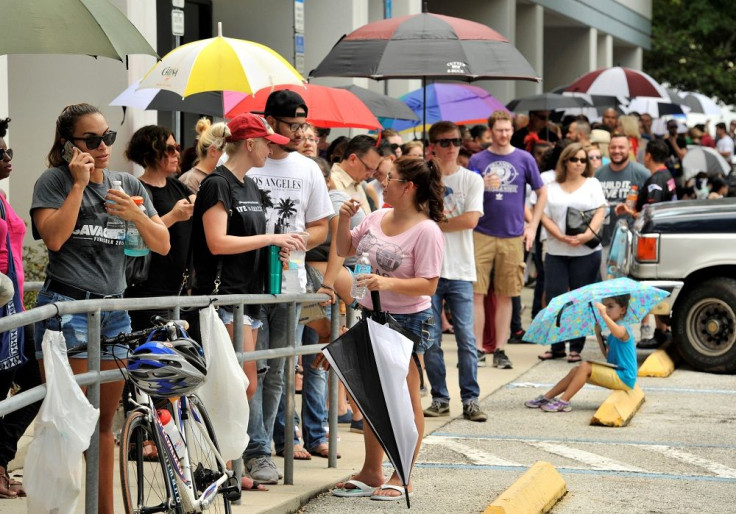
point(6, 492)
point(574, 357)
point(549, 355)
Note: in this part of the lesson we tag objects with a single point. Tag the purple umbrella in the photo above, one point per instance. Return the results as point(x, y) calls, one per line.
point(461, 103)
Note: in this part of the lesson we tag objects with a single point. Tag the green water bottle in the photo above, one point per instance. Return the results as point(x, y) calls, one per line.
point(275, 267)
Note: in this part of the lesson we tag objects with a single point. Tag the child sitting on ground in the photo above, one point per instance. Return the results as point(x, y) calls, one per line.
point(619, 350)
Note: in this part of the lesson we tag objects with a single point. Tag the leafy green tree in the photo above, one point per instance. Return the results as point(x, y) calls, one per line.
point(694, 46)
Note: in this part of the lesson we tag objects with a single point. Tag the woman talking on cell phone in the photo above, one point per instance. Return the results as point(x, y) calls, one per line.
point(76, 212)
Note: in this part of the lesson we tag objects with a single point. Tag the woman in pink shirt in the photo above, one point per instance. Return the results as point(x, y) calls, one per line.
point(406, 248)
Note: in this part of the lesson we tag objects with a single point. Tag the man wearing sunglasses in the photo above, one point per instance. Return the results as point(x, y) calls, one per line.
point(359, 163)
point(539, 125)
point(296, 190)
point(502, 235)
point(394, 139)
point(463, 208)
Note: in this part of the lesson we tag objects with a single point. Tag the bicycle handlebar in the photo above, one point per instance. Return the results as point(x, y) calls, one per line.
point(125, 338)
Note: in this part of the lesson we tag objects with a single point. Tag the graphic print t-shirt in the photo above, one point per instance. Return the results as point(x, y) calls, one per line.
point(463, 193)
point(503, 207)
point(416, 252)
point(616, 185)
point(89, 259)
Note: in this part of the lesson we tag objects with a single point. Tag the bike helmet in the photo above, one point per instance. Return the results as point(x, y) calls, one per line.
point(167, 368)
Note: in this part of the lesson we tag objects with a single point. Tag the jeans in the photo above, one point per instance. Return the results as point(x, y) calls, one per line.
point(265, 402)
point(516, 325)
point(459, 296)
point(563, 274)
point(314, 401)
point(420, 323)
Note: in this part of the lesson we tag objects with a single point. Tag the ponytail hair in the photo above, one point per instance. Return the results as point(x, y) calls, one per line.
point(427, 179)
point(65, 125)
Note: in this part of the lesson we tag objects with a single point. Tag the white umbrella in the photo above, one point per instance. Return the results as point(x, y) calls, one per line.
point(703, 158)
point(655, 106)
point(702, 104)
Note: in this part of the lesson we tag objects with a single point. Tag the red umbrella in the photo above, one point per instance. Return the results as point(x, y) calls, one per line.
point(618, 81)
point(327, 106)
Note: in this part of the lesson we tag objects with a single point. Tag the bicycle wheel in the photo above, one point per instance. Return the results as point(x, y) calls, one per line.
point(144, 470)
point(206, 468)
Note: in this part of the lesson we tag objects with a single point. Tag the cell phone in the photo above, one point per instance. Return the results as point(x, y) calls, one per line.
point(67, 153)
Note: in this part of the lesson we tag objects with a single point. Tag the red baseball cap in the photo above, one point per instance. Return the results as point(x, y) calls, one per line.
point(247, 126)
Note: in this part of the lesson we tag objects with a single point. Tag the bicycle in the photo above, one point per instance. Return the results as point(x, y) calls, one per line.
point(162, 374)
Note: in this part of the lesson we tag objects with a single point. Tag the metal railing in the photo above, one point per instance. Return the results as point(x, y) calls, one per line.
point(94, 377)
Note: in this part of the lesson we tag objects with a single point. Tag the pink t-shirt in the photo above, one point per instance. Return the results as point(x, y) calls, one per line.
point(17, 228)
point(417, 252)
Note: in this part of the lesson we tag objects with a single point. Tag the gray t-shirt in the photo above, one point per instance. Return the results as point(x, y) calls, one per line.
point(616, 185)
point(89, 259)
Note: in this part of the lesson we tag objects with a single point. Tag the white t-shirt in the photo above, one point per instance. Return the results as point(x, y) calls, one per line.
point(531, 199)
point(586, 197)
point(297, 192)
point(463, 193)
point(725, 144)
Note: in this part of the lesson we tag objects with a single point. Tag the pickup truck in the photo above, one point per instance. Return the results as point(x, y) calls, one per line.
point(689, 249)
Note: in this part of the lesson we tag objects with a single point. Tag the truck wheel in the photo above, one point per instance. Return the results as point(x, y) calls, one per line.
point(705, 326)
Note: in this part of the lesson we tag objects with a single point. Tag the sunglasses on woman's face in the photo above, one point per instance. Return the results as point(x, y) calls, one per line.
point(6, 152)
point(93, 142)
point(595, 157)
point(576, 160)
point(173, 149)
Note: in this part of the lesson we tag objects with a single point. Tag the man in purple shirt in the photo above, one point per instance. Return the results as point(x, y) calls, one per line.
point(501, 235)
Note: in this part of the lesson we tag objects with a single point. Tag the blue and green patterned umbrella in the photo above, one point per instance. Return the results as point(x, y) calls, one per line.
point(573, 314)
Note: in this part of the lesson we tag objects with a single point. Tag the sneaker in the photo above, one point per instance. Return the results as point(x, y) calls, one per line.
point(471, 411)
point(537, 402)
point(437, 409)
point(481, 359)
point(659, 339)
point(501, 361)
point(646, 331)
point(356, 426)
point(262, 469)
point(345, 418)
point(556, 405)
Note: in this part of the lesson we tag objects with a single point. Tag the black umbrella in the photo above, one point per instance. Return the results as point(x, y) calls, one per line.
point(425, 46)
point(546, 102)
point(371, 359)
point(382, 106)
point(210, 103)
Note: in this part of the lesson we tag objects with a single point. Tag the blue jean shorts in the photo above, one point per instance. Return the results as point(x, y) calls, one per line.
point(418, 323)
point(74, 328)
point(227, 318)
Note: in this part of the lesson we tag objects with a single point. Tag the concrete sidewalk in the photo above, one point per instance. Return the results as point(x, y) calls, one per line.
point(314, 477)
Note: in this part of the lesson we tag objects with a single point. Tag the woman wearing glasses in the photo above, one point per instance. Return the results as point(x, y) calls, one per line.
point(73, 210)
point(154, 148)
point(406, 248)
point(570, 263)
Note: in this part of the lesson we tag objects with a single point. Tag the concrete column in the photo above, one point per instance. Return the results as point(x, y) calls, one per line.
point(628, 56)
point(567, 55)
point(530, 27)
point(605, 51)
point(592, 48)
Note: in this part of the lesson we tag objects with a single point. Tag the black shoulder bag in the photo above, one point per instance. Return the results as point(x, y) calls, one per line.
point(577, 222)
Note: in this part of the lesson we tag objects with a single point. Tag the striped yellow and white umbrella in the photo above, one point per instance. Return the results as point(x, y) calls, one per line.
point(220, 64)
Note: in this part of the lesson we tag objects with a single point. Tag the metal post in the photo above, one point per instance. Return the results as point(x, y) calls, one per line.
point(332, 388)
point(93, 395)
point(238, 346)
point(289, 368)
point(177, 114)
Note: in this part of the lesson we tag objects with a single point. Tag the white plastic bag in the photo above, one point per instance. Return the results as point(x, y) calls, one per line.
point(64, 426)
point(224, 390)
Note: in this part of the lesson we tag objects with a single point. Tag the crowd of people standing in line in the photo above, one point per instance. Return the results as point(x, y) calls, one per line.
point(491, 194)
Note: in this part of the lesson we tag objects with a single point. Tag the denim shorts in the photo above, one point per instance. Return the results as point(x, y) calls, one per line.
point(74, 327)
point(227, 318)
point(418, 323)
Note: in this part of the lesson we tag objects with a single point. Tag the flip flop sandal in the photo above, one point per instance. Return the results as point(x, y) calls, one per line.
point(256, 486)
point(302, 453)
point(548, 355)
point(383, 498)
point(322, 451)
point(17, 487)
point(361, 490)
point(574, 357)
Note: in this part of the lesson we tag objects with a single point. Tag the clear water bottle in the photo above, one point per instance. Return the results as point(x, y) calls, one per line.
point(164, 416)
point(362, 267)
point(115, 227)
point(135, 246)
point(632, 197)
point(290, 282)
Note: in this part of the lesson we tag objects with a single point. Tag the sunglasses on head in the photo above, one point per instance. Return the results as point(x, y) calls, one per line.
point(93, 142)
point(6, 152)
point(445, 143)
point(172, 149)
point(576, 160)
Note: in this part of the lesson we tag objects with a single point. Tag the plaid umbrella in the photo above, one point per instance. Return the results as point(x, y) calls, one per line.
point(573, 315)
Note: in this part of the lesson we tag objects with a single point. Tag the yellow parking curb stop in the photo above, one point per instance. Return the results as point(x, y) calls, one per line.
point(536, 491)
point(619, 408)
point(658, 364)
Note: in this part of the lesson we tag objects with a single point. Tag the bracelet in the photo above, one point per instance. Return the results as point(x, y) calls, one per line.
point(328, 287)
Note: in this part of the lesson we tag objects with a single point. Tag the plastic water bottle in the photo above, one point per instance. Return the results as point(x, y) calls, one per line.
point(362, 267)
point(632, 197)
point(115, 227)
point(172, 432)
point(291, 283)
point(135, 246)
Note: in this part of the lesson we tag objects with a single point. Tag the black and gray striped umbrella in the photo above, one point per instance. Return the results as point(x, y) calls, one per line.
point(703, 158)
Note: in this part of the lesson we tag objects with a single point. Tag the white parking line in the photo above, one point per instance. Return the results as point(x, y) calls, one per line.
point(688, 458)
point(475, 455)
point(591, 459)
